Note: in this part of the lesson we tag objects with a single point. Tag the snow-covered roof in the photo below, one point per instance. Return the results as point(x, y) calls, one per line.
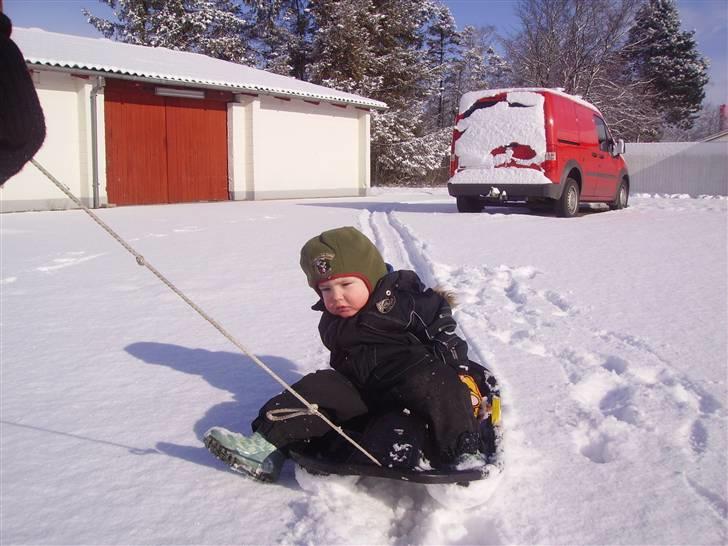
point(103, 56)
point(469, 98)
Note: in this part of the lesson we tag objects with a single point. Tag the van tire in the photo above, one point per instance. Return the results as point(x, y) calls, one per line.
point(622, 197)
point(467, 203)
point(568, 204)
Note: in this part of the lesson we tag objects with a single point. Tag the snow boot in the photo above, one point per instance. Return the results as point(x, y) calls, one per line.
point(252, 455)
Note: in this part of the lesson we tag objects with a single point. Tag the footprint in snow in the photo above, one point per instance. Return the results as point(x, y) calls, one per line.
point(626, 390)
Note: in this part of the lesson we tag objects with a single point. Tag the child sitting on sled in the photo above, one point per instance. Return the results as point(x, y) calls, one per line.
point(392, 343)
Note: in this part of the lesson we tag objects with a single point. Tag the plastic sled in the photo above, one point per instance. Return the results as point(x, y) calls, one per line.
point(399, 441)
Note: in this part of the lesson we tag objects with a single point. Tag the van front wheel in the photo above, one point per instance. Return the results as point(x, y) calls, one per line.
point(622, 197)
point(468, 204)
point(568, 204)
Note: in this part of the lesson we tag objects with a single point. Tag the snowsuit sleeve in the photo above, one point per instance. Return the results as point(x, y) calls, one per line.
point(434, 324)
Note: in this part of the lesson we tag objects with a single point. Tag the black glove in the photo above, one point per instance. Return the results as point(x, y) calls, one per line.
point(453, 351)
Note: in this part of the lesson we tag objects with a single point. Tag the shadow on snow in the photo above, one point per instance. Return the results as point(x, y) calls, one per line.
point(249, 386)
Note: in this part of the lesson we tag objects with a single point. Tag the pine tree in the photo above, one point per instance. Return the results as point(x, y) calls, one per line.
point(442, 42)
point(212, 27)
point(407, 146)
point(283, 32)
point(377, 48)
point(343, 47)
point(667, 58)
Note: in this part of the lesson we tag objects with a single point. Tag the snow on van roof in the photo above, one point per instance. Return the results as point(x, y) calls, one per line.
point(103, 56)
point(468, 99)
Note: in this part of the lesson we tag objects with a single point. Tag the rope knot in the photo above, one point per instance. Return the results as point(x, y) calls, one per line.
point(140, 260)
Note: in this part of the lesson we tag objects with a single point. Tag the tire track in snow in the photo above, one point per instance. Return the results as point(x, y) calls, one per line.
point(390, 244)
point(403, 249)
point(619, 398)
point(622, 394)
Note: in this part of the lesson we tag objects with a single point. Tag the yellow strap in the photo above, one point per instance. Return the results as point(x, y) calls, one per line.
point(495, 410)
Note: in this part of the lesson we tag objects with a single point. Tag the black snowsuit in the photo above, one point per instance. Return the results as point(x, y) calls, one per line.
point(400, 350)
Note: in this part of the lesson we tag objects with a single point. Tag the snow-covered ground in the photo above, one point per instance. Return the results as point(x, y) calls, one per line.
point(608, 332)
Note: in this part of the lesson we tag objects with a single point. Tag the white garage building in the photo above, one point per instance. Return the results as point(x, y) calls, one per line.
point(130, 125)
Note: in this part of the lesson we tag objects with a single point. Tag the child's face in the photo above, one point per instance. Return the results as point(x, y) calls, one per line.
point(345, 296)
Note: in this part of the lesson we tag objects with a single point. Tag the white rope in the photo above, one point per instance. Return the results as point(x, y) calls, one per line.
point(283, 414)
point(312, 408)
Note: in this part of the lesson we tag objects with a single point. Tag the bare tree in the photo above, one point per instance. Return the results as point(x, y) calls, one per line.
point(577, 45)
point(568, 43)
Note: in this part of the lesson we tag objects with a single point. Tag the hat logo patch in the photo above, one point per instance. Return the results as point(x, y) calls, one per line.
point(322, 264)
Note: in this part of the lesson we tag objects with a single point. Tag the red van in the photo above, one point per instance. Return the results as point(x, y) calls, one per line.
point(538, 146)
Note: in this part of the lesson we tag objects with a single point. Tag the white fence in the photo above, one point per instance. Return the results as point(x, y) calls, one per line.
point(693, 168)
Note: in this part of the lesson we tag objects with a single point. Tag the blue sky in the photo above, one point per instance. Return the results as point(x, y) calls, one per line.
point(709, 18)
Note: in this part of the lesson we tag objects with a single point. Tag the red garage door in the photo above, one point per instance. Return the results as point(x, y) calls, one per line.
point(164, 149)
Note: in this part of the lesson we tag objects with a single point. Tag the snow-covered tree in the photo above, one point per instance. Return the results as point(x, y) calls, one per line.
point(344, 45)
point(667, 58)
point(579, 46)
point(212, 27)
point(441, 46)
point(404, 150)
point(568, 43)
point(283, 31)
point(377, 48)
point(407, 142)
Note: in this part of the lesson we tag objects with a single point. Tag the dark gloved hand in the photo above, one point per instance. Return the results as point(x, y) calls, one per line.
point(453, 351)
point(22, 125)
point(6, 27)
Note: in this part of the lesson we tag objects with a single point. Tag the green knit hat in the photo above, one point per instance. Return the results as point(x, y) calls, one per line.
point(342, 252)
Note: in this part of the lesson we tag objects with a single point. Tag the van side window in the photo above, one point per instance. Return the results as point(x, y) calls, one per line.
point(602, 134)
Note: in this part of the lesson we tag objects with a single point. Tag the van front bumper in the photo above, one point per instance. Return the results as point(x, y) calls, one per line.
point(505, 192)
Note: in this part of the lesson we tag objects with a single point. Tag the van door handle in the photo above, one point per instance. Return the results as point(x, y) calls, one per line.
point(594, 154)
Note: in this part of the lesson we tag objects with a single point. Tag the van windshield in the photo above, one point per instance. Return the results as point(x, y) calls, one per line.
point(602, 134)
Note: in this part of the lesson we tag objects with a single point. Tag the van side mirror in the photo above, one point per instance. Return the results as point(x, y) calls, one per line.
point(618, 148)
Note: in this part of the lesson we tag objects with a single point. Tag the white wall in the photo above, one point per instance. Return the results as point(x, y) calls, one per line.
point(66, 152)
point(693, 168)
point(240, 147)
point(299, 149)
